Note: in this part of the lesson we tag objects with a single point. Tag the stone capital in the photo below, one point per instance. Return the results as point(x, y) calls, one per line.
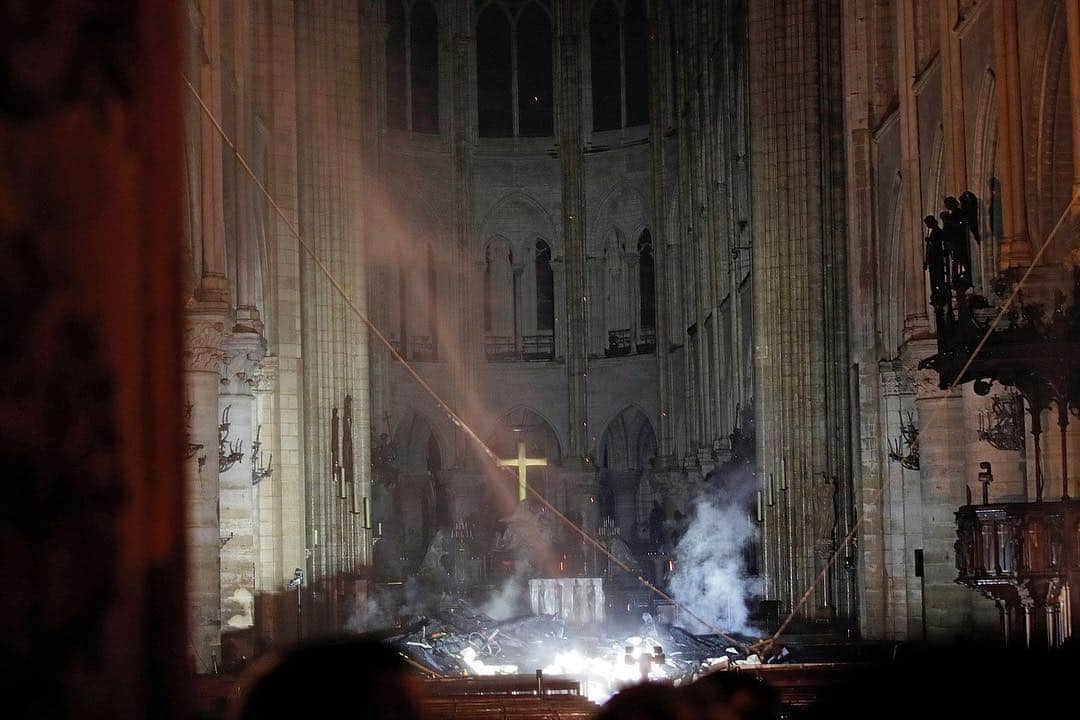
point(203, 335)
point(266, 375)
point(243, 353)
point(895, 380)
point(925, 383)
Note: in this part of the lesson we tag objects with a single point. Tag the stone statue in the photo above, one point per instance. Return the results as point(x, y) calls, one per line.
point(969, 208)
point(825, 509)
point(383, 453)
point(955, 228)
point(936, 262)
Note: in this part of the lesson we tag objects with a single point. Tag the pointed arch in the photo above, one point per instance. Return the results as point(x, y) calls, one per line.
point(520, 218)
point(522, 422)
point(1050, 179)
point(628, 441)
point(418, 444)
point(622, 206)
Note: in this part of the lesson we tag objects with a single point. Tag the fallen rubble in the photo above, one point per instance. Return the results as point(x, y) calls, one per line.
point(461, 641)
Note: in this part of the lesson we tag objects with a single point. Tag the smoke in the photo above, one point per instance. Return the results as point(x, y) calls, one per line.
point(710, 572)
point(506, 601)
point(387, 607)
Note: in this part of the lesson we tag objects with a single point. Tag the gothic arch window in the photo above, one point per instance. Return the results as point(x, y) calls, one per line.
point(646, 289)
point(499, 293)
point(617, 294)
point(635, 63)
point(618, 56)
point(424, 67)
point(514, 71)
point(396, 86)
point(545, 289)
point(604, 52)
point(534, 72)
point(412, 66)
point(494, 73)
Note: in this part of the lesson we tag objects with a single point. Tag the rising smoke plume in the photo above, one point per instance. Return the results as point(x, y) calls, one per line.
point(507, 601)
point(710, 561)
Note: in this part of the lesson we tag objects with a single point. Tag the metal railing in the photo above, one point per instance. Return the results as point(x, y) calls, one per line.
point(620, 342)
point(538, 347)
point(500, 348)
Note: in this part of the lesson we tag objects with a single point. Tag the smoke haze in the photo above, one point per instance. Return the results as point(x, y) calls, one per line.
point(710, 571)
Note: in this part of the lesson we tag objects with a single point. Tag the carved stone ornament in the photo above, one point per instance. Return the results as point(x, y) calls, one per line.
point(243, 354)
point(825, 510)
point(202, 344)
point(266, 375)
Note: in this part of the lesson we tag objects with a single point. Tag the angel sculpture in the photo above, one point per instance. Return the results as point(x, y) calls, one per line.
point(969, 208)
point(936, 262)
point(955, 227)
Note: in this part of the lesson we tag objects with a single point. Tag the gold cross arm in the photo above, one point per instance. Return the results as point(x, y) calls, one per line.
point(521, 463)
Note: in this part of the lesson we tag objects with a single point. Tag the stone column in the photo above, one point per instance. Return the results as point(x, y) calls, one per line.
point(236, 504)
point(1016, 245)
point(949, 608)
point(333, 339)
point(204, 332)
point(270, 538)
point(569, 130)
point(1072, 9)
point(466, 326)
point(247, 251)
point(214, 286)
point(373, 32)
point(658, 51)
point(799, 266)
point(952, 101)
point(916, 321)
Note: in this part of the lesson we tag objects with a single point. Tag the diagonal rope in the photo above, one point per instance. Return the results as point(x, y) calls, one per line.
point(1071, 209)
point(439, 402)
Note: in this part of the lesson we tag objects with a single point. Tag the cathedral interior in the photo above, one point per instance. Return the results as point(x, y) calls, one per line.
point(757, 317)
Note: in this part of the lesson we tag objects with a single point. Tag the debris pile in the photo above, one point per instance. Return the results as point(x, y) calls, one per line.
point(463, 641)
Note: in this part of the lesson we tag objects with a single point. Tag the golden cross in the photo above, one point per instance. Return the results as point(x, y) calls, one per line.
point(522, 462)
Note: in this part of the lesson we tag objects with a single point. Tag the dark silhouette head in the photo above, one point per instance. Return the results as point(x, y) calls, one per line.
point(737, 695)
point(952, 203)
point(648, 701)
point(357, 677)
point(930, 221)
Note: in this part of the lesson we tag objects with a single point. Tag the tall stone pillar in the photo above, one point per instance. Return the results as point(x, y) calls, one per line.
point(916, 322)
point(247, 253)
point(270, 536)
point(658, 51)
point(373, 32)
point(799, 275)
point(1016, 249)
point(214, 285)
point(952, 100)
point(467, 354)
point(949, 608)
point(243, 352)
point(1072, 9)
point(203, 358)
point(334, 341)
point(569, 32)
